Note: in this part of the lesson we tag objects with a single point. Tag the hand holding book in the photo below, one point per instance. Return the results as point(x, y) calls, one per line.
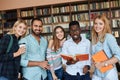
point(77, 57)
point(100, 57)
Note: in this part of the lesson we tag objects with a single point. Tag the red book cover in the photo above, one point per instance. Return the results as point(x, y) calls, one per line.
point(67, 57)
point(82, 57)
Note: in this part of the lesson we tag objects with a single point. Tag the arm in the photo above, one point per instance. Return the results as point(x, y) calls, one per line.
point(42, 64)
point(25, 62)
point(49, 58)
point(89, 48)
point(115, 50)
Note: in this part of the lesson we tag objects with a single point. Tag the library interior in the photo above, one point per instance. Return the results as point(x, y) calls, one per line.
point(60, 13)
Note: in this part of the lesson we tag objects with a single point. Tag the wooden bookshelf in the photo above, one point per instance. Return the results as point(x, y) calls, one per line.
point(61, 13)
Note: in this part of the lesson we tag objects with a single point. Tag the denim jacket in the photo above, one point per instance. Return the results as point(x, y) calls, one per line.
point(110, 47)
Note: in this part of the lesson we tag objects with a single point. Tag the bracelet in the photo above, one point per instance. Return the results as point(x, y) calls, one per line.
point(106, 64)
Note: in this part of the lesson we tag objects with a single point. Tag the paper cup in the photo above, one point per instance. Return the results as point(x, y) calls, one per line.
point(22, 44)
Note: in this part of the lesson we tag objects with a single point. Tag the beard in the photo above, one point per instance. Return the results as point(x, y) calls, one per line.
point(36, 34)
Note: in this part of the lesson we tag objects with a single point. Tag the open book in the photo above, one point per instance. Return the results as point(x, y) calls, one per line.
point(99, 57)
point(80, 57)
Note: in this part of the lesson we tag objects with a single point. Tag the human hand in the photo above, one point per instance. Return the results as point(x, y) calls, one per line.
point(64, 67)
point(44, 65)
point(54, 77)
point(20, 51)
point(69, 62)
point(99, 65)
point(86, 69)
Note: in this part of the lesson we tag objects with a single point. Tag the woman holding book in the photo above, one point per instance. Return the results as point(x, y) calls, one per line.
point(53, 54)
point(10, 60)
point(103, 40)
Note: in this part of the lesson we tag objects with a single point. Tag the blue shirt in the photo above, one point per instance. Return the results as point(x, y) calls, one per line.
point(111, 49)
point(71, 48)
point(34, 52)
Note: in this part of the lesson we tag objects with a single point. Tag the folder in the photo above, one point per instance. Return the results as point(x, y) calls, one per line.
point(99, 57)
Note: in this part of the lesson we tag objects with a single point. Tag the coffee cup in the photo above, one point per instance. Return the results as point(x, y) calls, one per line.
point(22, 44)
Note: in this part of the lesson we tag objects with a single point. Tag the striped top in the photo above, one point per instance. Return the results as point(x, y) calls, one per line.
point(54, 59)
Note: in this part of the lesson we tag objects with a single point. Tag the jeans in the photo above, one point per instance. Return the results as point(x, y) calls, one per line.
point(58, 73)
point(3, 78)
point(76, 77)
point(40, 79)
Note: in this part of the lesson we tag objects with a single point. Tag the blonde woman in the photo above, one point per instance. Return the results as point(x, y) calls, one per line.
point(10, 61)
point(102, 39)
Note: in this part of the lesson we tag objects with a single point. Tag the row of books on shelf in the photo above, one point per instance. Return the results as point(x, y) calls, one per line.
point(47, 20)
point(27, 13)
point(48, 37)
point(55, 19)
point(115, 3)
point(62, 9)
point(60, 19)
point(28, 21)
point(9, 24)
point(10, 15)
point(44, 11)
point(102, 5)
point(115, 14)
point(99, 5)
point(80, 7)
point(94, 14)
point(80, 17)
point(66, 18)
point(47, 29)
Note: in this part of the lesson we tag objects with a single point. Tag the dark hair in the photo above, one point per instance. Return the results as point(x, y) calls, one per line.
point(56, 42)
point(74, 23)
point(35, 19)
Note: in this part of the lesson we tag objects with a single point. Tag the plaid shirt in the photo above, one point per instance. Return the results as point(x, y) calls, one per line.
point(9, 65)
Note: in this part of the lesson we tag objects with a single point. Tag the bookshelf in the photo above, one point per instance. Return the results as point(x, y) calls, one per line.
point(52, 15)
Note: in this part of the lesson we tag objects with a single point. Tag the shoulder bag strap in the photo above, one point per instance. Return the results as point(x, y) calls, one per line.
point(10, 44)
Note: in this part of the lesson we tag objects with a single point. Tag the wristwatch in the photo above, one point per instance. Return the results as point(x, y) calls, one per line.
point(106, 64)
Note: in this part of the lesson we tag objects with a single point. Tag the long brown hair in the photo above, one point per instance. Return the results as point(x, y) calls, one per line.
point(106, 29)
point(56, 41)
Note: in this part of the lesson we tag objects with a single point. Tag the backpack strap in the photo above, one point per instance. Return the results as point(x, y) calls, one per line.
point(10, 44)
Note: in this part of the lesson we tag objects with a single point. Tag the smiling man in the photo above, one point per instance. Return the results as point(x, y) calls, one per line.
point(76, 45)
point(33, 61)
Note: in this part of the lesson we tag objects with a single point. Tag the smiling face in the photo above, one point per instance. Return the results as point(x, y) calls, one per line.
point(20, 29)
point(59, 33)
point(99, 26)
point(37, 27)
point(75, 32)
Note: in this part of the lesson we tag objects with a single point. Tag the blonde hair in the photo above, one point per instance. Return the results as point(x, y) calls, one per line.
point(16, 24)
point(106, 29)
